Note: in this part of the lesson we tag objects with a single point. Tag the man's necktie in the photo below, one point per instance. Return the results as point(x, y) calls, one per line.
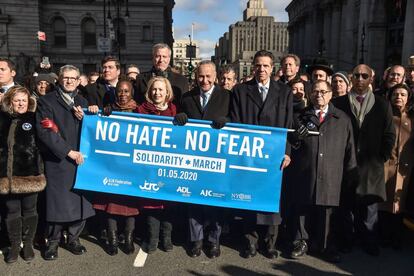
point(360, 99)
point(204, 100)
point(263, 91)
point(321, 117)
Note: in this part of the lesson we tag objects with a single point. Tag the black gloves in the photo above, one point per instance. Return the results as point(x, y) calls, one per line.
point(301, 133)
point(219, 122)
point(180, 119)
point(107, 110)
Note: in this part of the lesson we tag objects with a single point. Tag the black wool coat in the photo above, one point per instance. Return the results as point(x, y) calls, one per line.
point(96, 94)
point(374, 141)
point(62, 204)
point(179, 85)
point(21, 166)
point(321, 163)
point(217, 105)
point(247, 107)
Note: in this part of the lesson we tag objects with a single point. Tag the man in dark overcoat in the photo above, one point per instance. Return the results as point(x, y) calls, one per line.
point(161, 56)
point(207, 101)
point(262, 101)
point(102, 92)
point(59, 117)
point(319, 165)
point(374, 137)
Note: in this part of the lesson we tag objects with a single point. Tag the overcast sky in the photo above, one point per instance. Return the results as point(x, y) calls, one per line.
point(213, 17)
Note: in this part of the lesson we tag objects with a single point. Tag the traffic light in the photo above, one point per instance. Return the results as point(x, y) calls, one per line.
point(190, 67)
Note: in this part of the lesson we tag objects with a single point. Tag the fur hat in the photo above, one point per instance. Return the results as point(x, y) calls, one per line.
point(342, 75)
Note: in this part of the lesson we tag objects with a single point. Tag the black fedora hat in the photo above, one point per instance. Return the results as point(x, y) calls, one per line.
point(320, 64)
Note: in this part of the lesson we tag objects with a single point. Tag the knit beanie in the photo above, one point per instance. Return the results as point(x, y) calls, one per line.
point(343, 75)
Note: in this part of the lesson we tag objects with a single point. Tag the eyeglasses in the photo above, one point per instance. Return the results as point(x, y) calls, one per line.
point(322, 92)
point(364, 76)
point(72, 79)
point(396, 75)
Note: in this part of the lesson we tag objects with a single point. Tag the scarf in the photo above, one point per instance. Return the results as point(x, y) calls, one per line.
point(361, 110)
point(68, 97)
point(130, 106)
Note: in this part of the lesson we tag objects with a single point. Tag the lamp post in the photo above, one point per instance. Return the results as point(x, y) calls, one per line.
point(361, 58)
point(118, 5)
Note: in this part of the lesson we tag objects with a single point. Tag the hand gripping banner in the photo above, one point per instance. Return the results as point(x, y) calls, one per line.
point(139, 155)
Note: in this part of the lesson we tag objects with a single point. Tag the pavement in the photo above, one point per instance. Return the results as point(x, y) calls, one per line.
point(97, 262)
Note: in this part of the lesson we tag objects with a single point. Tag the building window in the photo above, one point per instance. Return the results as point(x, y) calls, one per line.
point(147, 33)
point(121, 36)
point(88, 33)
point(59, 32)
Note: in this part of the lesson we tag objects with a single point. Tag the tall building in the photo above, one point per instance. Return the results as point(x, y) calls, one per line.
point(378, 32)
point(181, 61)
point(76, 30)
point(257, 31)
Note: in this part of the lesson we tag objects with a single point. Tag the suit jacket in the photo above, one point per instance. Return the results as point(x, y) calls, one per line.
point(217, 106)
point(247, 107)
point(178, 82)
point(374, 141)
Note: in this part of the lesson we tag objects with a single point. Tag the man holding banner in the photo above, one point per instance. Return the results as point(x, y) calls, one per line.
point(59, 117)
point(262, 101)
point(205, 102)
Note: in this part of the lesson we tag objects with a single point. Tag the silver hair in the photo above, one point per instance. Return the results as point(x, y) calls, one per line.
point(206, 62)
point(158, 46)
point(68, 67)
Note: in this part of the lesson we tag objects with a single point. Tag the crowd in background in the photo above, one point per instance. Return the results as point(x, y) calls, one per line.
point(347, 176)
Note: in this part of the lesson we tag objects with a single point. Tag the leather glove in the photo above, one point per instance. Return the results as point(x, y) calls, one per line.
point(50, 124)
point(219, 122)
point(107, 110)
point(180, 119)
point(301, 133)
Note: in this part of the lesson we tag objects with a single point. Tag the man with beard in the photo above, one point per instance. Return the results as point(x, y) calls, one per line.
point(374, 136)
point(161, 56)
point(59, 117)
point(44, 83)
point(102, 92)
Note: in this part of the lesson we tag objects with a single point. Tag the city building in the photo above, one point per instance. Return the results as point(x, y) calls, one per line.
point(379, 32)
point(181, 61)
point(80, 32)
point(257, 31)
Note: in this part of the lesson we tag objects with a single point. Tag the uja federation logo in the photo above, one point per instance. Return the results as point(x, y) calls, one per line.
point(115, 182)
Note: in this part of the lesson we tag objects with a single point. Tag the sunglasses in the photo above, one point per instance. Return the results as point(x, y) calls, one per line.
point(364, 76)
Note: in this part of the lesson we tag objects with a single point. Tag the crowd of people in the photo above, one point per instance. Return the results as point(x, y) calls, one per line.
point(346, 170)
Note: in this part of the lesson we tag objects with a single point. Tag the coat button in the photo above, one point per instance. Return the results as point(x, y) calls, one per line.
point(406, 164)
point(320, 154)
point(320, 133)
point(406, 124)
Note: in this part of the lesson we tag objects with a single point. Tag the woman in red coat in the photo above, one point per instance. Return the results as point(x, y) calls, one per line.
point(119, 207)
point(159, 98)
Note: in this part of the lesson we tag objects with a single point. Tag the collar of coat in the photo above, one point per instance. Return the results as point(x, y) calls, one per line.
point(309, 111)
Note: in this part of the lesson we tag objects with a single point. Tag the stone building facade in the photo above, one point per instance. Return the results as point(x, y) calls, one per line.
point(257, 31)
point(347, 32)
point(75, 28)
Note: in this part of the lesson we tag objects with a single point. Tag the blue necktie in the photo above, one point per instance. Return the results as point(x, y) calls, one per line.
point(263, 91)
point(204, 97)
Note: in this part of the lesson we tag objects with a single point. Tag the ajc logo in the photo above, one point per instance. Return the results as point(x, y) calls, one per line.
point(149, 186)
point(206, 193)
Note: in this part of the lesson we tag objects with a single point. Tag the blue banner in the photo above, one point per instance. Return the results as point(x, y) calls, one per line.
point(147, 156)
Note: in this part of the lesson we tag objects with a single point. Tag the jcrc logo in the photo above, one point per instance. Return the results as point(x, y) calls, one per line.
point(241, 197)
point(206, 193)
point(185, 191)
point(152, 187)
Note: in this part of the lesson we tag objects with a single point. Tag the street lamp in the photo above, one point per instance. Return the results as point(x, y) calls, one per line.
point(361, 59)
point(117, 4)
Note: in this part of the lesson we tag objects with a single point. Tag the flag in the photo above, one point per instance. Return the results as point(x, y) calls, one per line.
point(41, 36)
